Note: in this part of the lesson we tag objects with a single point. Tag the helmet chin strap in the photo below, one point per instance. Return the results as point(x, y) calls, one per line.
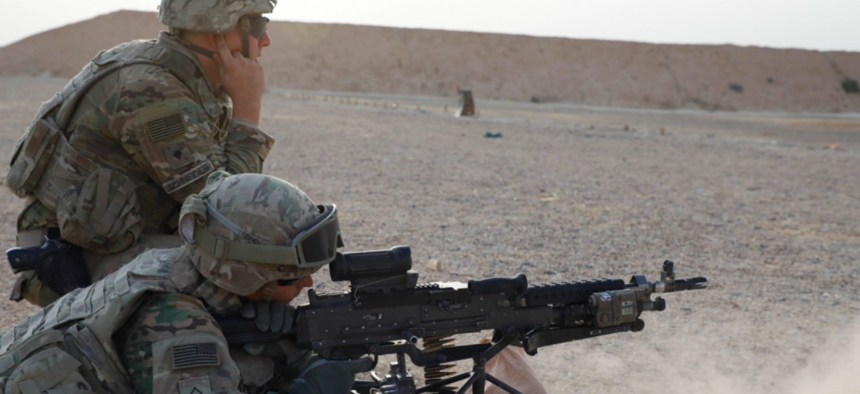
point(269, 291)
point(200, 50)
point(245, 24)
point(192, 47)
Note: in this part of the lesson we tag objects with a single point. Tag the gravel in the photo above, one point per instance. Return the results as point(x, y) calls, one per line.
point(766, 206)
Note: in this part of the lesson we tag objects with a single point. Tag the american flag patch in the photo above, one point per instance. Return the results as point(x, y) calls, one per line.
point(166, 127)
point(195, 355)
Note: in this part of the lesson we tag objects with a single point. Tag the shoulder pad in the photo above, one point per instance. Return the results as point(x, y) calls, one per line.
point(109, 55)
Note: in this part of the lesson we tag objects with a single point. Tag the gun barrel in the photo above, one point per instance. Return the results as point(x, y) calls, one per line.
point(698, 283)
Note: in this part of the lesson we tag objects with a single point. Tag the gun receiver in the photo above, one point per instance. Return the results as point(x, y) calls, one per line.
point(386, 311)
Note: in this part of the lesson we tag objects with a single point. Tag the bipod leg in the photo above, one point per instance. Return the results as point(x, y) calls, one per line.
point(478, 382)
point(502, 385)
point(479, 376)
point(471, 383)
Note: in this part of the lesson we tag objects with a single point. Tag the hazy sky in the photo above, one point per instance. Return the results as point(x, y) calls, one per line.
point(812, 24)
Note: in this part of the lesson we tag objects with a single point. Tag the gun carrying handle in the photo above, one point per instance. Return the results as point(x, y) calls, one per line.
point(510, 286)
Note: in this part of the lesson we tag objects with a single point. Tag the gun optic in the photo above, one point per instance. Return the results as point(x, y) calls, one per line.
point(375, 263)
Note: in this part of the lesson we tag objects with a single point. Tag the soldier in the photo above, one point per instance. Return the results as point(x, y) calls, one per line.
point(251, 243)
point(107, 162)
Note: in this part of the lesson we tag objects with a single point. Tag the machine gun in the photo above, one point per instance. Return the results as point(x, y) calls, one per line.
point(386, 311)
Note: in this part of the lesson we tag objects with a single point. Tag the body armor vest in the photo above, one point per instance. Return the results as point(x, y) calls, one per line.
point(99, 201)
point(70, 342)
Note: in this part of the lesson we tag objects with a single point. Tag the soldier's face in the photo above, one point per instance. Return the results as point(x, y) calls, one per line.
point(256, 45)
point(285, 294)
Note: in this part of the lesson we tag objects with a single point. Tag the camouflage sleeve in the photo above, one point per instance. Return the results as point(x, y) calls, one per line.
point(166, 131)
point(246, 147)
point(173, 345)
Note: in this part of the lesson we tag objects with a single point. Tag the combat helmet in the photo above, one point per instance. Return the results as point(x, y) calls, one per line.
point(248, 231)
point(212, 16)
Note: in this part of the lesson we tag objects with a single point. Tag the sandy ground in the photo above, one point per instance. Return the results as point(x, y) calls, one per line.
point(766, 206)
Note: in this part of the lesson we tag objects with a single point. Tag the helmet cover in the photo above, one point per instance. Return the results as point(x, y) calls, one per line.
point(210, 16)
point(267, 209)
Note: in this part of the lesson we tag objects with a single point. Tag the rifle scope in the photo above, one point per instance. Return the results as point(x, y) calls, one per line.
point(375, 263)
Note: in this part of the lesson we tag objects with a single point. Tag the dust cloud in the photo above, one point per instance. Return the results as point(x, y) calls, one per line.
point(833, 368)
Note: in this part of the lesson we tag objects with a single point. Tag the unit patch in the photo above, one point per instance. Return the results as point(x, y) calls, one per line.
point(186, 178)
point(178, 155)
point(195, 385)
point(166, 127)
point(195, 355)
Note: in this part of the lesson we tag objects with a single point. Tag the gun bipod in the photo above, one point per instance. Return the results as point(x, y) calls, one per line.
point(399, 381)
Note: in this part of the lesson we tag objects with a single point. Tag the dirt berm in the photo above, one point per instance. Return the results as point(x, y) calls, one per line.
point(496, 66)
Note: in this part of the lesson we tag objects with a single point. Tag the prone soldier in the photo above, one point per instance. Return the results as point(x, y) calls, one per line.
point(251, 243)
point(106, 163)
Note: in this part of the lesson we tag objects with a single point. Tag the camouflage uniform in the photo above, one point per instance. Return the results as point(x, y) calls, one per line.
point(153, 135)
point(173, 320)
point(149, 327)
point(167, 321)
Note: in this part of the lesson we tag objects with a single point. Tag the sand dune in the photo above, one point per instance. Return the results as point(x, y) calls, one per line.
point(495, 66)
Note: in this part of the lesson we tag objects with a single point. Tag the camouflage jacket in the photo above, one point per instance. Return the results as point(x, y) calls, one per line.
point(147, 328)
point(157, 132)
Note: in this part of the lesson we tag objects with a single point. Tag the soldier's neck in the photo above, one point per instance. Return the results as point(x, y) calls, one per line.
point(200, 44)
point(210, 68)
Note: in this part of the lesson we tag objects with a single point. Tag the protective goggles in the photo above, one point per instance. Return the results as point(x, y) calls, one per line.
point(257, 26)
point(314, 246)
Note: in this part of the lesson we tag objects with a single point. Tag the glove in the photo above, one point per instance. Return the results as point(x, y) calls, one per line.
point(63, 270)
point(329, 377)
point(285, 352)
point(270, 316)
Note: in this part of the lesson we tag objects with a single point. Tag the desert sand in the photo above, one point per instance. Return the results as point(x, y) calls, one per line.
point(766, 206)
point(367, 59)
point(761, 196)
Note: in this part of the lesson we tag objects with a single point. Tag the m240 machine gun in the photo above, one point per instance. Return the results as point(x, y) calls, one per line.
point(386, 311)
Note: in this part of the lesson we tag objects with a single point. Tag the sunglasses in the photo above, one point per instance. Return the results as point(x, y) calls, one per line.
point(258, 26)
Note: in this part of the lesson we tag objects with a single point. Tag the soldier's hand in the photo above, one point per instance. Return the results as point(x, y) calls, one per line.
point(270, 316)
point(243, 79)
point(285, 351)
point(329, 377)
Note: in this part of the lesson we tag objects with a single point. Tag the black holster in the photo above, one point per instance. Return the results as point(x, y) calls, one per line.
point(59, 264)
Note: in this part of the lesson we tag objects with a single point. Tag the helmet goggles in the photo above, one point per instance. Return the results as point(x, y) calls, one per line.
point(315, 245)
point(258, 25)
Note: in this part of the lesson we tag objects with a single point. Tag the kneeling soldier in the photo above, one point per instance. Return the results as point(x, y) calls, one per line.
point(251, 243)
